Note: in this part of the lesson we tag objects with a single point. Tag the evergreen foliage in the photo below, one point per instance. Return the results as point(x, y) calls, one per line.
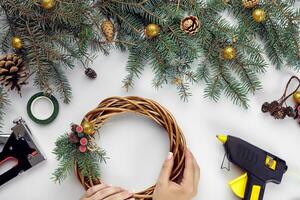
point(71, 31)
point(279, 33)
point(173, 53)
point(53, 39)
point(68, 154)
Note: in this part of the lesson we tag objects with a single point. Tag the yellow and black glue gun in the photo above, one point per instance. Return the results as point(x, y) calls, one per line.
point(260, 166)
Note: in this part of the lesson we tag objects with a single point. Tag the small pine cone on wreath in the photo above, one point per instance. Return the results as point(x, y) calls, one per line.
point(190, 24)
point(13, 72)
point(250, 3)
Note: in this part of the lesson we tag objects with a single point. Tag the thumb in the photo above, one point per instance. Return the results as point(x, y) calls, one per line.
point(166, 170)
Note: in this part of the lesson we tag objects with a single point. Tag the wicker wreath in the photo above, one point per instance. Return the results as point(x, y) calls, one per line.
point(118, 105)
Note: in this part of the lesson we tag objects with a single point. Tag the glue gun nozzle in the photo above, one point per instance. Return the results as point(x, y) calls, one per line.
point(222, 138)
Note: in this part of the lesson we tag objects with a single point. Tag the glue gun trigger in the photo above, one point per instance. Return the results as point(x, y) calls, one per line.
point(238, 185)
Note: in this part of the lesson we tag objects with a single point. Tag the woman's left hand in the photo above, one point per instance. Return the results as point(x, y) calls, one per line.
point(106, 192)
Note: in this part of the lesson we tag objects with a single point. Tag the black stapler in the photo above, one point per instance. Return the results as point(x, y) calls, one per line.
point(20, 147)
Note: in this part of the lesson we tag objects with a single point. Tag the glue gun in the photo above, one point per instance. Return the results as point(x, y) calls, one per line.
point(261, 167)
point(20, 147)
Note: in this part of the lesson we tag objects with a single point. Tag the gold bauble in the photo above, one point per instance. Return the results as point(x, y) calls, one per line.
point(259, 15)
point(17, 43)
point(296, 97)
point(152, 30)
point(48, 4)
point(88, 128)
point(229, 53)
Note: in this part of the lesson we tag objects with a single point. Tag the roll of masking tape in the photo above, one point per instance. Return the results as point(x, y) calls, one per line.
point(41, 119)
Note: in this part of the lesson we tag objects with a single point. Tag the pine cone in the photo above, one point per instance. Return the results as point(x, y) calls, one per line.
point(190, 24)
point(265, 107)
point(279, 114)
point(250, 3)
point(89, 72)
point(274, 106)
point(73, 127)
point(73, 138)
point(13, 72)
point(108, 30)
point(291, 112)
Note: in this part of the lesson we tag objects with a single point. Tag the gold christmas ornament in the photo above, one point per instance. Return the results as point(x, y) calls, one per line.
point(108, 30)
point(13, 72)
point(229, 53)
point(88, 127)
point(296, 97)
point(259, 15)
point(190, 24)
point(17, 43)
point(48, 4)
point(152, 30)
point(250, 3)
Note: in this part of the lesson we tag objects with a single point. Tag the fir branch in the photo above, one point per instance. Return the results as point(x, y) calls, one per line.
point(68, 155)
point(61, 82)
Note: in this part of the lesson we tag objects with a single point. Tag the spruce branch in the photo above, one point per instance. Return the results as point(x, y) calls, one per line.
point(68, 156)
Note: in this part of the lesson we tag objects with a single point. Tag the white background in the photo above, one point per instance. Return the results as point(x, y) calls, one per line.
point(137, 147)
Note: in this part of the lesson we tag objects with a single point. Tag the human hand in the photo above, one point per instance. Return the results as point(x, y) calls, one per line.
point(187, 189)
point(105, 192)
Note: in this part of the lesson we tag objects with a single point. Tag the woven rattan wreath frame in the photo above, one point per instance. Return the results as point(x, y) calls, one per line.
point(117, 105)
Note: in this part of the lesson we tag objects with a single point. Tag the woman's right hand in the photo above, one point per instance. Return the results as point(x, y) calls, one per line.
point(187, 189)
point(106, 192)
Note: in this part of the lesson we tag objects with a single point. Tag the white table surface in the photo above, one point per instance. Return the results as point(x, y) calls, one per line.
point(137, 147)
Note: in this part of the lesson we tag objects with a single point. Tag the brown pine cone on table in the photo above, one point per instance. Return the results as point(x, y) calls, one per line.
point(13, 72)
point(89, 72)
point(279, 113)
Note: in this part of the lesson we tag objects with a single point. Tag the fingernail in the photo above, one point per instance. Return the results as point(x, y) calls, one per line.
point(170, 155)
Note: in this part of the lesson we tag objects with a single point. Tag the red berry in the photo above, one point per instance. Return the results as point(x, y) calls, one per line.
point(79, 129)
point(82, 149)
point(83, 141)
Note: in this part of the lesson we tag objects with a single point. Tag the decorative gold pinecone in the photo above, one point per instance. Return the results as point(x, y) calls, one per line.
point(108, 30)
point(250, 3)
point(13, 72)
point(190, 24)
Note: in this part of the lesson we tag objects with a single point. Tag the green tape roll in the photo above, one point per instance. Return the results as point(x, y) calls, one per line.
point(37, 97)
